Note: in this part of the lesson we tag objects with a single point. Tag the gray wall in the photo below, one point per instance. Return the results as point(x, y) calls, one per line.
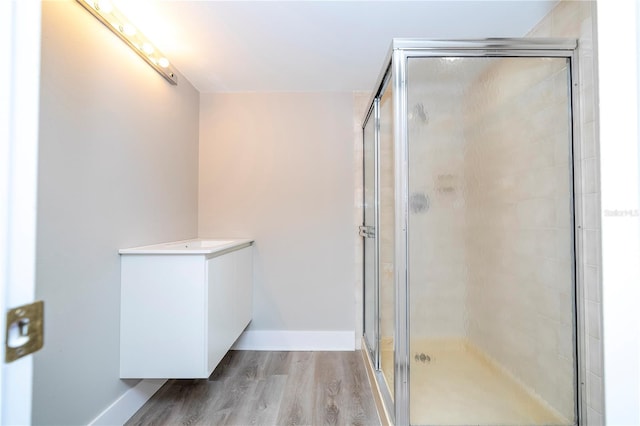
point(118, 168)
point(279, 167)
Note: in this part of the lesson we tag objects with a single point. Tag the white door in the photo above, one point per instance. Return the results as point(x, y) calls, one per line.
point(19, 98)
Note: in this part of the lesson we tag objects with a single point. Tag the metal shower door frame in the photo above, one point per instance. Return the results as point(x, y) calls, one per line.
point(396, 65)
point(373, 114)
point(374, 352)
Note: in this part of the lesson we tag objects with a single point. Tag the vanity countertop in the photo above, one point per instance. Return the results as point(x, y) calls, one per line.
point(193, 246)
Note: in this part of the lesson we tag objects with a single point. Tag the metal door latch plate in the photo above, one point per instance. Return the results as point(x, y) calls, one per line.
point(24, 334)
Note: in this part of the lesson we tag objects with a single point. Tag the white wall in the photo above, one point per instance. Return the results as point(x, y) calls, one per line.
point(278, 167)
point(618, 82)
point(118, 167)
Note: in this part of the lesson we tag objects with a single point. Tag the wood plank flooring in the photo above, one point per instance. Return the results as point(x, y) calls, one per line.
point(269, 388)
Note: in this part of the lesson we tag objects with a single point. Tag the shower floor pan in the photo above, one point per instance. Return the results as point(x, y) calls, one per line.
point(454, 383)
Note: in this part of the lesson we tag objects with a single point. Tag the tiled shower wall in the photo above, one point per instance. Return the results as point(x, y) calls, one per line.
point(518, 223)
point(571, 19)
point(576, 19)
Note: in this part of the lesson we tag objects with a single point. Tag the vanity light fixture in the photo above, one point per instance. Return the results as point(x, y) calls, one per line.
point(111, 17)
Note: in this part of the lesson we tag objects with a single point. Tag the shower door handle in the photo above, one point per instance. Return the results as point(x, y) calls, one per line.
point(367, 231)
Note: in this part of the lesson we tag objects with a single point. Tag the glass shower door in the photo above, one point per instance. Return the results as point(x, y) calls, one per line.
point(378, 232)
point(491, 250)
point(386, 238)
point(368, 233)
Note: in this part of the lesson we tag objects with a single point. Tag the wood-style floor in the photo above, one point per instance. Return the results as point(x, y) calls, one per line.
point(269, 388)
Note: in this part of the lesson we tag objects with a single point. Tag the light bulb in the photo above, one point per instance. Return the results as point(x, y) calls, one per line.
point(104, 6)
point(163, 62)
point(128, 29)
point(147, 48)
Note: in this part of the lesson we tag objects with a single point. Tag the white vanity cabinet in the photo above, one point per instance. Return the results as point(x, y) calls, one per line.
point(181, 312)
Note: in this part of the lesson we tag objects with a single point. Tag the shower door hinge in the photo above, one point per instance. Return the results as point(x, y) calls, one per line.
point(25, 331)
point(367, 231)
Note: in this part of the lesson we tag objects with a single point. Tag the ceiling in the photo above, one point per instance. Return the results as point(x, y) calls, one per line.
point(306, 45)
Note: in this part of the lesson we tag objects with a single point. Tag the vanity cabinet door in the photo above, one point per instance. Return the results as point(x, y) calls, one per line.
point(162, 317)
point(220, 285)
point(244, 289)
point(230, 300)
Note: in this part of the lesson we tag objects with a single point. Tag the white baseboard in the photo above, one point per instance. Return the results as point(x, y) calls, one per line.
point(127, 405)
point(282, 340)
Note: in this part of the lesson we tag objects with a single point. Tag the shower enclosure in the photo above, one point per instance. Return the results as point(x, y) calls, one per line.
point(471, 312)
